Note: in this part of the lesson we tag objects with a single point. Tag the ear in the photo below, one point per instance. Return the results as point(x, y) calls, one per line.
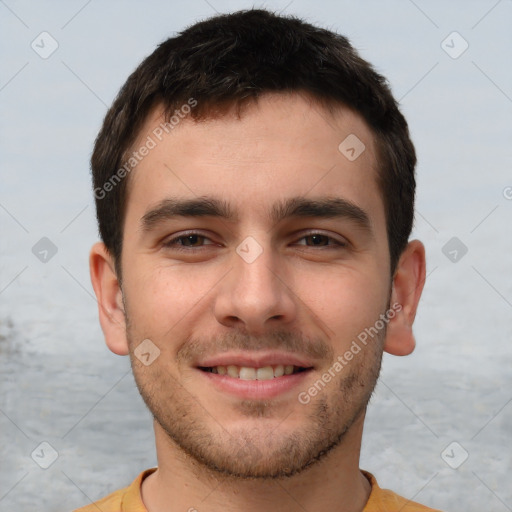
point(406, 290)
point(110, 298)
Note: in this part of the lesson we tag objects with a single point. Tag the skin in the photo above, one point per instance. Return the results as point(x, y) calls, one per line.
point(302, 294)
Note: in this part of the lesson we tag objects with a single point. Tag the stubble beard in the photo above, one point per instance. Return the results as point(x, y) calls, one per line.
point(258, 452)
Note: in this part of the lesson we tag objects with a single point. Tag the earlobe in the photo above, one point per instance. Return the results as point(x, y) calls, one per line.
point(406, 291)
point(110, 299)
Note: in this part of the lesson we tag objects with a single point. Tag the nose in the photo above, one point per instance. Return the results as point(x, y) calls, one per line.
point(256, 295)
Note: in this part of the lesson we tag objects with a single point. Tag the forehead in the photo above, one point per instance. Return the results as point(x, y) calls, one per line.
point(283, 145)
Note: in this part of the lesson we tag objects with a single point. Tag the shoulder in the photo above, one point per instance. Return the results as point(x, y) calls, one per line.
point(128, 498)
point(381, 500)
point(112, 503)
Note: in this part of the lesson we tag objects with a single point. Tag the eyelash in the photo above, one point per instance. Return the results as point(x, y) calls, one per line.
point(173, 242)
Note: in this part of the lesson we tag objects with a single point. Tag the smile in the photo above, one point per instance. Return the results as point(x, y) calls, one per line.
point(250, 373)
point(251, 377)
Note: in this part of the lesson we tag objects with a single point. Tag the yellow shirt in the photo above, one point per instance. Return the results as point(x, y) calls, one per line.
point(129, 499)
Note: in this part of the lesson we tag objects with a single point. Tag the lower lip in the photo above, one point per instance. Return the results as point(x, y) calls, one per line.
point(256, 389)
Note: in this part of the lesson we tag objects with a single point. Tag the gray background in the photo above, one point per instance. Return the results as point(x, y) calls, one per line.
point(60, 384)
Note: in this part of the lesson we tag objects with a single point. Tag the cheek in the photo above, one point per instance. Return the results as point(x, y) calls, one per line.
point(344, 302)
point(160, 297)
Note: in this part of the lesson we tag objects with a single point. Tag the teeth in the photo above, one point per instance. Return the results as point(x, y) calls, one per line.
point(265, 373)
point(279, 370)
point(233, 371)
point(248, 373)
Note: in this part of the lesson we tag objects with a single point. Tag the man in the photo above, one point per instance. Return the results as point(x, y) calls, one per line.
point(254, 185)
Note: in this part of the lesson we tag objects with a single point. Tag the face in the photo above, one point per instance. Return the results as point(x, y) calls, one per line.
point(254, 255)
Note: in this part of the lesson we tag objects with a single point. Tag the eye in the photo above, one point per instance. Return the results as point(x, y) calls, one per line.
point(321, 240)
point(191, 240)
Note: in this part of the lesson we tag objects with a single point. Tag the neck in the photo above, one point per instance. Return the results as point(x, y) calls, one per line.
point(333, 483)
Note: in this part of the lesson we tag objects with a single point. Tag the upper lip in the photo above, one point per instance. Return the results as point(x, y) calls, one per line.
point(255, 359)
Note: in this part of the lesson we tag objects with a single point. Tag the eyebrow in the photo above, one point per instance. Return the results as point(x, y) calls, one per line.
point(325, 207)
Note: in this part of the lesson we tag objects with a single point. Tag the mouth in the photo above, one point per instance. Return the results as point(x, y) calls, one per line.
point(251, 373)
point(255, 376)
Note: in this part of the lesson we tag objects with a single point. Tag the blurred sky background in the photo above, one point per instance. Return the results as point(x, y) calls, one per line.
point(439, 427)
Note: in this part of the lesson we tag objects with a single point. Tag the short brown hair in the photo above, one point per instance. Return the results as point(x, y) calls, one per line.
point(230, 59)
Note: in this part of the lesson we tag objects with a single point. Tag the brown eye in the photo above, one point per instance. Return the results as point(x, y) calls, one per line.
point(317, 240)
point(320, 240)
point(191, 240)
point(188, 240)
